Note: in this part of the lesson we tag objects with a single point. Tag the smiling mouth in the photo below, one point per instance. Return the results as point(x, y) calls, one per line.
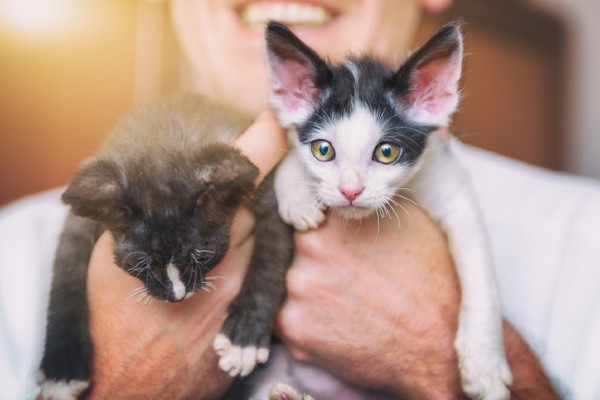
point(258, 14)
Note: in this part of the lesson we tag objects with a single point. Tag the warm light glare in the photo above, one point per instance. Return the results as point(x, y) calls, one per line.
point(36, 15)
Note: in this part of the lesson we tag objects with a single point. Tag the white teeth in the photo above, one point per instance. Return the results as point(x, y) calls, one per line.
point(258, 14)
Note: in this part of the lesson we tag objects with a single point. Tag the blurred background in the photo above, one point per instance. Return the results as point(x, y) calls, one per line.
point(70, 68)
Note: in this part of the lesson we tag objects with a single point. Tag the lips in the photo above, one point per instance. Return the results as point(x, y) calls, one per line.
point(300, 14)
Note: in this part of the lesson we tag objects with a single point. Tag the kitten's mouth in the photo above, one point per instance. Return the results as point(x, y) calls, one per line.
point(293, 14)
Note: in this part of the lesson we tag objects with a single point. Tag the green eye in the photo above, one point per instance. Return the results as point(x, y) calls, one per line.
point(387, 153)
point(322, 150)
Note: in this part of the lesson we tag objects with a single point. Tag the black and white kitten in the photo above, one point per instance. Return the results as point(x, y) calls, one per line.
point(166, 184)
point(360, 131)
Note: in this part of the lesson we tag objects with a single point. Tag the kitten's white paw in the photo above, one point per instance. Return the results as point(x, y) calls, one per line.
point(62, 390)
point(281, 391)
point(485, 374)
point(301, 213)
point(236, 360)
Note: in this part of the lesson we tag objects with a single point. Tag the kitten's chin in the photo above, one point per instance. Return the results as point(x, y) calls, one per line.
point(353, 212)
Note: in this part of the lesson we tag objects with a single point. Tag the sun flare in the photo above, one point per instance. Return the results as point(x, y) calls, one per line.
point(36, 16)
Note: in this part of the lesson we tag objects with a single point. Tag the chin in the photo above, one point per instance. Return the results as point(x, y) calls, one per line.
point(353, 212)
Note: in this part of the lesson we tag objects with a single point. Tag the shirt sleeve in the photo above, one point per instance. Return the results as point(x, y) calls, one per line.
point(29, 231)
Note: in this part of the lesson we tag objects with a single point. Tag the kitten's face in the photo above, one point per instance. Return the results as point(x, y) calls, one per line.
point(360, 128)
point(170, 216)
point(173, 248)
point(358, 161)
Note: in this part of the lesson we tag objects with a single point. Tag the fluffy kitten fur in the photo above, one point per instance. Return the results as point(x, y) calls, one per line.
point(360, 132)
point(166, 184)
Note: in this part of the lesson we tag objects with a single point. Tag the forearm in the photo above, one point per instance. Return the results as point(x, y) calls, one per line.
point(529, 378)
point(441, 381)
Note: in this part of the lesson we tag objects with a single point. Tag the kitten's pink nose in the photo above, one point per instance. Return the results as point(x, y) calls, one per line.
point(351, 193)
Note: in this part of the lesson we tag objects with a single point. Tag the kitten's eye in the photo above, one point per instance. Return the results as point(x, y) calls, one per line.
point(322, 150)
point(387, 153)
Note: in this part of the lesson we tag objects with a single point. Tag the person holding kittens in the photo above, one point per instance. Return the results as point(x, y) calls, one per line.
point(396, 336)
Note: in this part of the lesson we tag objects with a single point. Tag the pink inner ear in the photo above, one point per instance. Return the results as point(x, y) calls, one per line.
point(435, 86)
point(295, 85)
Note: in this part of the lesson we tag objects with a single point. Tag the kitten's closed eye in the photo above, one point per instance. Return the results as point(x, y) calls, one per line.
point(137, 263)
point(202, 256)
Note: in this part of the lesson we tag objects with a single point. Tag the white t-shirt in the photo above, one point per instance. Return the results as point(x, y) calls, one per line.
point(545, 231)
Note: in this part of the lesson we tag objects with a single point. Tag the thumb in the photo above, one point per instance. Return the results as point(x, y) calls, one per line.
point(264, 143)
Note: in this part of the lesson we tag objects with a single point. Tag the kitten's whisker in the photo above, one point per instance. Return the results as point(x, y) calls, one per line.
point(210, 285)
point(395, 203)
point(134, 292)
point(315, 198)
point(213, 277)
point(142, 296)
point(187, 284)
point(200, 265)
point(316, 203)
point(387, 211)
point(143, 256)
point(196, 272)
point(378, 227)
point(198, 251)
point(387, 203)
point(414, 130)
point(307, 183)
point(156, 278)
point(138, 268)
point(395, 189)
point(205, 268)
point(407, 199)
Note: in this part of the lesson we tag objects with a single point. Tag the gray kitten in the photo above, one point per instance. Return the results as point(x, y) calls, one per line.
point(166, 185)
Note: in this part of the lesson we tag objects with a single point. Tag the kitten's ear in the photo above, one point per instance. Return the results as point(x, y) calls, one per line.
point(96, 192)
point(297, 75)
point(426, 85)
point(226, 173)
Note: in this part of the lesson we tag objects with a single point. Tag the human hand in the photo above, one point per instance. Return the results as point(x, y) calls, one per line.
point(164, 350)
point(376, 303)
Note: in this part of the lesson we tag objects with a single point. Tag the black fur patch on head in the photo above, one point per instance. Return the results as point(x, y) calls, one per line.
point(369, 83)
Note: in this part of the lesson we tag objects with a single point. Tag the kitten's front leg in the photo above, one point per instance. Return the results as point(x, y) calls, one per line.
point(297, 203)
point(444, 190)
point(67, 362)
point(244, 339)
point(485, 373)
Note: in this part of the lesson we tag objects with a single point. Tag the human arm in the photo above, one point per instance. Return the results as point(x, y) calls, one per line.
point(529, 379)
point(163, 350)
point(377, 304)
